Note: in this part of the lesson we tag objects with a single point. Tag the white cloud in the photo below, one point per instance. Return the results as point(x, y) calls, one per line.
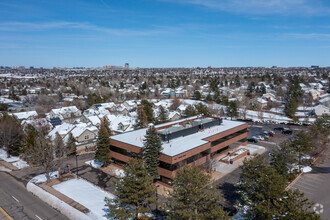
point(263, 7)
point(30, 26)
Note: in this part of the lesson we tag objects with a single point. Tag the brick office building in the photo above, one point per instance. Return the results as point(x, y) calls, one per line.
point(191, 141)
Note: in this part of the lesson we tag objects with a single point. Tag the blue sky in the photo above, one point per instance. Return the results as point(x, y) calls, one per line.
point(165, 33)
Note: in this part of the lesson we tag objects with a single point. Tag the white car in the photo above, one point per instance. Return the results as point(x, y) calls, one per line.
point(259, 137)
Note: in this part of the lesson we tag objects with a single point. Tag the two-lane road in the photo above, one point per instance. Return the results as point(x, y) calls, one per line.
point(20, 204)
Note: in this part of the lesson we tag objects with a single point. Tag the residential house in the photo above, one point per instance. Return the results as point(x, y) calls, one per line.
point(321, 109)
point(68, 114)
point(85, 135)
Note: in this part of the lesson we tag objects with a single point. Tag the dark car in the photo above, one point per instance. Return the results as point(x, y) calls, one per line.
point(279, 129)
point(289, 132)
point(253, 140)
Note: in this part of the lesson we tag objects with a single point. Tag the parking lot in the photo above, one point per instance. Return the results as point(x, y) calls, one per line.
point(315, 185)
point(227, 183)
point(256, 129)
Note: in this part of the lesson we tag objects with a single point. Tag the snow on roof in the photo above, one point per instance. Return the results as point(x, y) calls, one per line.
point(178, 145)
point(6, 101)
point(94, 120)
point(64, 110)
point(107, 105)
point(262, 101)
point(172, 114)
point(80, 128)
point(116, 119)
point(25, 115)
point(62, 129)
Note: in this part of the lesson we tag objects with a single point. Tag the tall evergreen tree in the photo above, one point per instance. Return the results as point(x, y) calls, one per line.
point(71, 147)
point(190, 111)
point(103, 145)
point(302, 144)
point(231, 110)
point(202, 109)
point(194, 196)
point(30, 137)
point(262, 190)
point(147, 106)
point(162, 116)
point(59, 146)
point(151, 151)
point(11, 135)
point(134, 193)
point(142, 120)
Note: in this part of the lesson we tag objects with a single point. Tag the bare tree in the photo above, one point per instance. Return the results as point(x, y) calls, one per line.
point(175, 103)
point(42, 154)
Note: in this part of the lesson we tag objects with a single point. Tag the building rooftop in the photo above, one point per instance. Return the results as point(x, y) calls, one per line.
point(181, 144)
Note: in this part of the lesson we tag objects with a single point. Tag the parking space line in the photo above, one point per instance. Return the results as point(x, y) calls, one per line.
point(6, 214)
point(311, 184)
point(305, 189)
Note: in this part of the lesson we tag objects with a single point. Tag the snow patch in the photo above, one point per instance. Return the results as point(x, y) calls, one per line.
point(16, 161)
point(95, 163)
point(42, 177)
point(86, 194)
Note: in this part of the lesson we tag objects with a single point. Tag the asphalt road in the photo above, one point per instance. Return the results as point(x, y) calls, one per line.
point(315, 185)
point(20, 204)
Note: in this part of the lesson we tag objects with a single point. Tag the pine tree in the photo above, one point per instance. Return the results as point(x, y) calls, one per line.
point(151, 151)
point(202, 109)
point(58, 145)
point(162, 115)
point(11, 135)
point(134, 193)
point(296, 206)
point(71, 147)
point(147, 107)
point(303, 144)
point(103, 145)
point(142, 120)
point(261, 187)
point(194, 196)
point(262, 190)
point(190, 111)
point(232, 110)
point(30, 137)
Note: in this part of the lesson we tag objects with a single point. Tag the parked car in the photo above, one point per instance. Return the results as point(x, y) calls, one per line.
point(259, 137)
point(279, 129)
point(253, 140)
point(266, 133)
point(288, 132)
point(271, 133)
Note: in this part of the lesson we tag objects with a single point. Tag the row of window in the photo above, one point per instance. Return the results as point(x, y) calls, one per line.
point(228, 137)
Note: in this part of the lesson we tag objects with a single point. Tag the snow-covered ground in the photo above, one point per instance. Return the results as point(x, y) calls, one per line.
point(94, 163)
point(16, 161)
point(42, 177)
point(86, 194)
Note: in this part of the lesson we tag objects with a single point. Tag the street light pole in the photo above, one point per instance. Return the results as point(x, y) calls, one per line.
point(77, 164)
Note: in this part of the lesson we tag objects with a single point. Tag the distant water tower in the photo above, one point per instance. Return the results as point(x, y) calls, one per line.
point(126, 65)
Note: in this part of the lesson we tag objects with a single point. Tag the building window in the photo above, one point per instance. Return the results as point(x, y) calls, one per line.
point(86, 148)
point(86, 137)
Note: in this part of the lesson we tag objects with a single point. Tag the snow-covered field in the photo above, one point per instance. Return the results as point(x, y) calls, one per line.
point(86, 194)
point(16, 161)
